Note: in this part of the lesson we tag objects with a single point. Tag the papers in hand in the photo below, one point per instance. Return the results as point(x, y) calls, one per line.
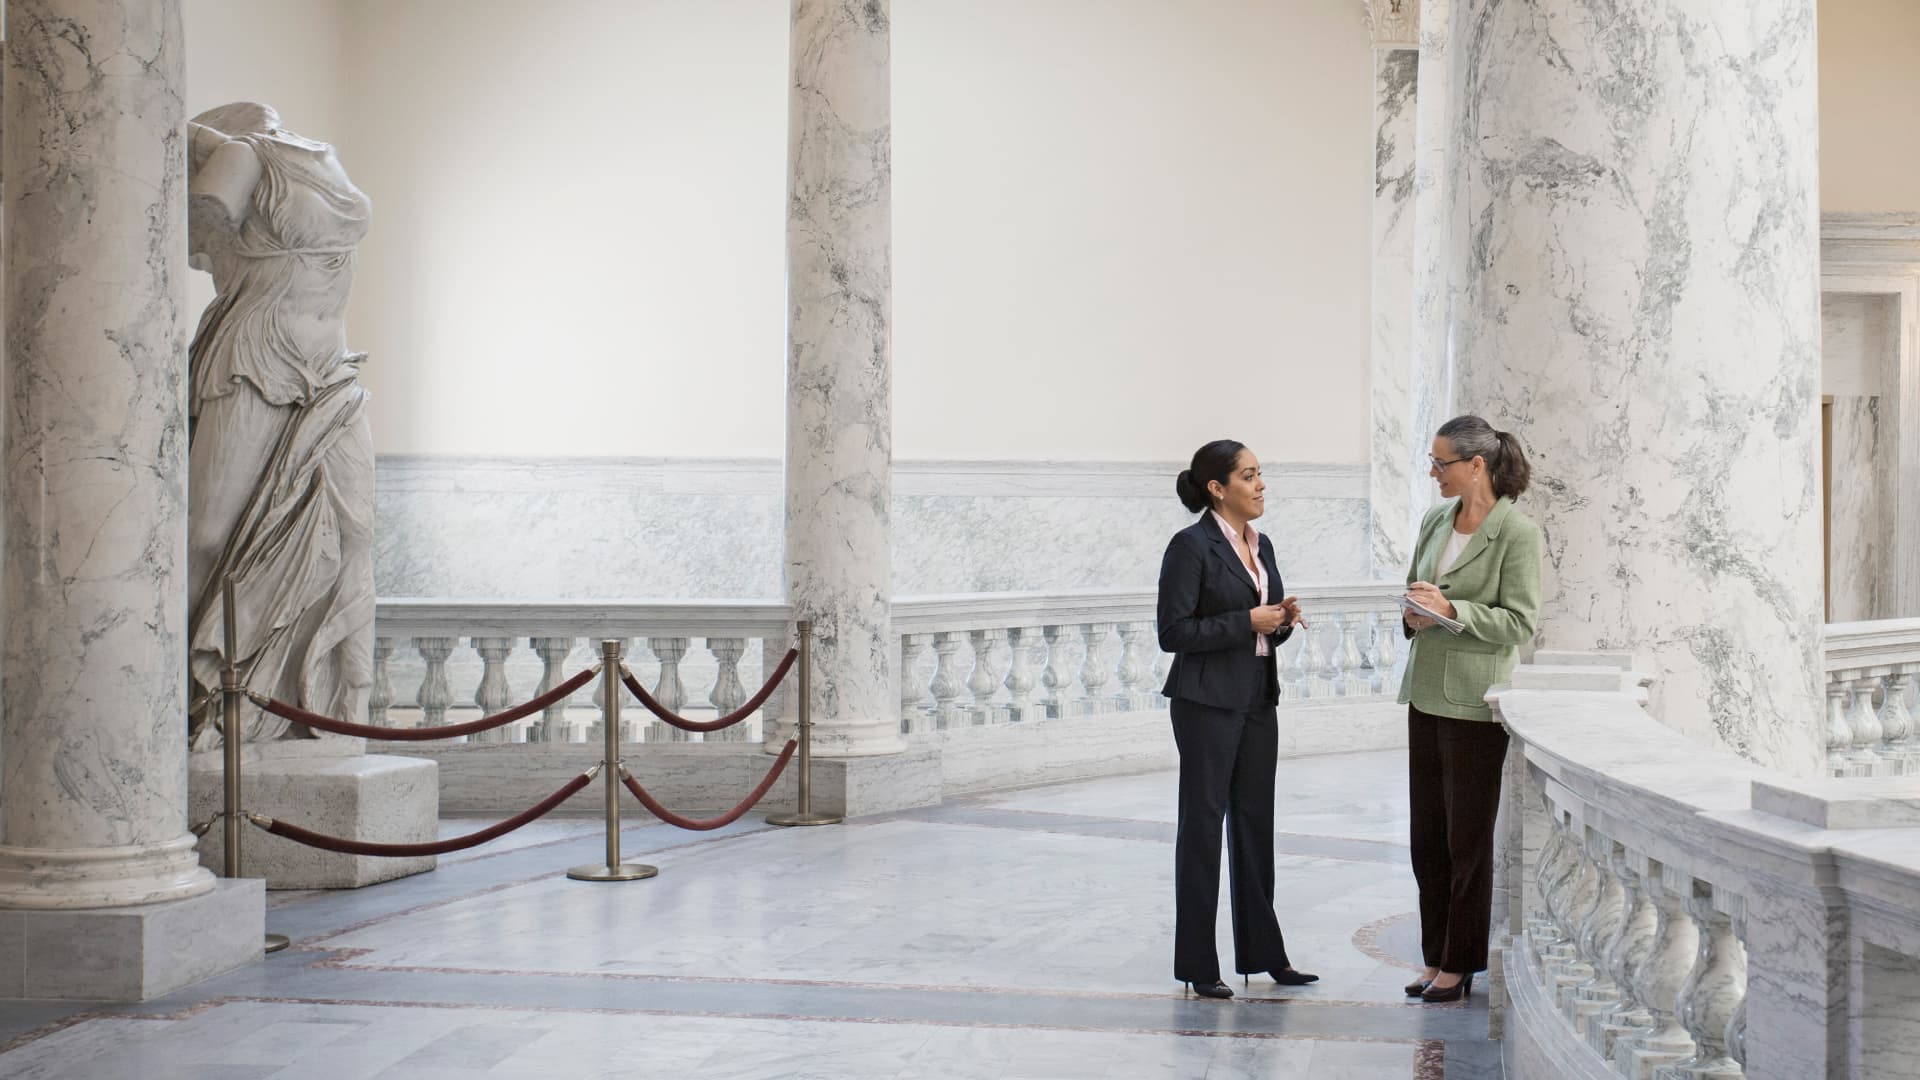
point(1412, 607)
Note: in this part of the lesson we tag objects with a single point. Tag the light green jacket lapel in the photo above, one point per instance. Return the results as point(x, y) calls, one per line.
point(1495, 589)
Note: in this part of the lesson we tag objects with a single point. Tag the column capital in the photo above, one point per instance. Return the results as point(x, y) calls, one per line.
point(1394, 24)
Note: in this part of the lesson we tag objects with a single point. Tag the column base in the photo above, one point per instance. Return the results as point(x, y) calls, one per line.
point(44, 879)
point(131, 953)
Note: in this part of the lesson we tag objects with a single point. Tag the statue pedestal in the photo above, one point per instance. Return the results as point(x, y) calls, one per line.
point(330, 786)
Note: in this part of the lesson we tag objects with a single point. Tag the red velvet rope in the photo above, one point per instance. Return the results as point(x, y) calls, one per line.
point(439, 847)
point(703, 824)
point(667, 716)
point(422, 734)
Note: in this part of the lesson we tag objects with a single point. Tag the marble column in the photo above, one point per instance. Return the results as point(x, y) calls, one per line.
point(839, 370)
point(93, 749)
point(1639, 301)
point(1393, 484)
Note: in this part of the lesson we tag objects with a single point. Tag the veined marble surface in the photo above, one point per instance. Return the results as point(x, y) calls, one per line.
point(1640, 304)
point(597, 527)
point(1861, 543)
point(93, 784)
point(1390, 389)
point(838, 536)
point(1437, 192)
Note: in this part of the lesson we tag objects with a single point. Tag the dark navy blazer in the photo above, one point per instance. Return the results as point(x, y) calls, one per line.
point(1205, 596)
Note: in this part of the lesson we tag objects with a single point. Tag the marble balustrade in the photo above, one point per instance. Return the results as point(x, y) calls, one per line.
point(1673, 912)
point(991, 658)
point(1873, 671)
point(968, 660)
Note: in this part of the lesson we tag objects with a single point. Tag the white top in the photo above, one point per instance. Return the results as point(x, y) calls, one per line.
point(1248, 548)
point(1453, 549)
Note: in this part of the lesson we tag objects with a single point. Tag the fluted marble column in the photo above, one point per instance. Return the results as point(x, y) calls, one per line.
point(1394, 25)
point(93, 751)
point(839, 369)
point(1640, 302)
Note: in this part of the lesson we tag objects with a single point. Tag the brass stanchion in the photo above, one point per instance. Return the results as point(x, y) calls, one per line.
point(614, 870)
point(805, 815)
point(230, 694)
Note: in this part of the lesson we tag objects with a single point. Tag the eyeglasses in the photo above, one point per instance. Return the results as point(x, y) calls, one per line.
point(1438, 464)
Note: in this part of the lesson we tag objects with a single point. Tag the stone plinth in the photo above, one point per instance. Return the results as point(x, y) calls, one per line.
point(376, 797)
point(131, 953)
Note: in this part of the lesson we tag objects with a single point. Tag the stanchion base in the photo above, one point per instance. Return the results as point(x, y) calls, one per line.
point(805, 819)
point(276, 942)
point(601, 872)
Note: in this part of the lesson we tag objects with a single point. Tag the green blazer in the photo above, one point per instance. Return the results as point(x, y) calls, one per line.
point(1495, 589)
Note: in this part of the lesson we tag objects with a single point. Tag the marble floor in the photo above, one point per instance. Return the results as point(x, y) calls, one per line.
point(1023, 934)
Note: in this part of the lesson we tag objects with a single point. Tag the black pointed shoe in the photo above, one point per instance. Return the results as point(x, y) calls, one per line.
point(1459, 991)
point(1418, 987)
point(1214, 989)
point(1286, 976)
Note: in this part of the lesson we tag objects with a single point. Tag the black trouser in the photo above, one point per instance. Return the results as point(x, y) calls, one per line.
point(1226, 772)
point(1453, 783)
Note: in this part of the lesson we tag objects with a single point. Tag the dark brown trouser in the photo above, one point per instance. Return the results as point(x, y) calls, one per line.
point(1226, 774)
point(1453, 784)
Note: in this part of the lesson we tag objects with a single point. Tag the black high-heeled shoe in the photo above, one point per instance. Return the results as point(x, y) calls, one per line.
point(1457, 992)
point(1287, 976)
point(1214, 989)
point(1418, 987)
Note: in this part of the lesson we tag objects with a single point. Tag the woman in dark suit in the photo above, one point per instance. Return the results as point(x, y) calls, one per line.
point(1222, 615)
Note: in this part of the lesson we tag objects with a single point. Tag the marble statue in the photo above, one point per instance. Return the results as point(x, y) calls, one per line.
point(280, 483)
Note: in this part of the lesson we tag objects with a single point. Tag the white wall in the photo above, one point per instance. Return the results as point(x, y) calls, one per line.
point(1122, 227)
point(1870, 105)
point(1125, 227)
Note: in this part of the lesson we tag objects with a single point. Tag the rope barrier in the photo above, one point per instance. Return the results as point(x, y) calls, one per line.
point(728, 818)
point(439, 847)
point(422, 734)
point(667, 715)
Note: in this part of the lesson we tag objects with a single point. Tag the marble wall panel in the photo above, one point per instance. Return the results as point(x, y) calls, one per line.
point(1390, 388)
point(655, 528)
point(1860, 507)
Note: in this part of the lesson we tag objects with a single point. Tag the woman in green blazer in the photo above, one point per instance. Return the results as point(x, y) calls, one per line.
point(1477, 561)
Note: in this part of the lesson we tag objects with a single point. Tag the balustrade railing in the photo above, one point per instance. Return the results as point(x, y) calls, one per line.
point(499, 652)
point(1677, 913)
point(1873, 674)
point(969, 660)
point(987, 658)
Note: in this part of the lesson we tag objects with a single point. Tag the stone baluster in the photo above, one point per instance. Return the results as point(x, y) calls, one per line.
point(728, 693)
point(947, 681)
point(668, 690)
point(1369, 679)
point(435, 695)
point(1839, 731)
point(1313, 663)
point(1638, 927)
point(380, 695)
point(494, 692)
point(1658, 979)
point(767, 726)
point(629, 731)
point(1386, 642)
point(1135, 670)
point(1541, 931)
point(1713, 992)
point(1865, 758)
point(1355, 675)
point(1736, 1035)
point(1896, 724)
point(1058, 674)
point(914, 699)
point(1162, 661)
point(1570, 962)
point(1598, 994)
point(1286, 664)
point(553, 726)
point(984, 682)
point(1093, 667)
point(1021, 681)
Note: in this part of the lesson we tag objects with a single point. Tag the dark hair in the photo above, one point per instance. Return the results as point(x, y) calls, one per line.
point(1211, 462)
point(1506, 462)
